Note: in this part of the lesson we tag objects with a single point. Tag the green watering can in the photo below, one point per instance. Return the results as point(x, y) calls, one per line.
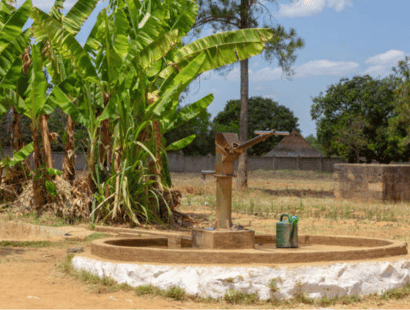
point(287, 232)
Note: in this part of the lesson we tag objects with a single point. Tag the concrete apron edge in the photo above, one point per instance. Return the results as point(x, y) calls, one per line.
point(336, 279)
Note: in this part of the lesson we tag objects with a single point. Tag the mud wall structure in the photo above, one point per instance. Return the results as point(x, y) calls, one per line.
point(372, 182)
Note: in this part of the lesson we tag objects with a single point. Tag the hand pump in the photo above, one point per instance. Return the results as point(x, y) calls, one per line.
point(228, 149)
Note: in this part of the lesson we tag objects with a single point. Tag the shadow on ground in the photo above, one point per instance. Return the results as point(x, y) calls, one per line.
point(297, 193)
point(10, 251)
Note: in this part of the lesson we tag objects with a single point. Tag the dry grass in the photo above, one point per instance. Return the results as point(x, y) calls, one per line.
point(304, 193)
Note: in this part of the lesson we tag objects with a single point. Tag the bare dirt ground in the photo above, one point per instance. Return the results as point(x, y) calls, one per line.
point(30, 277)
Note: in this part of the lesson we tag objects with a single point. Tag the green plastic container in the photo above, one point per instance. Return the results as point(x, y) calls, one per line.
point(287, 232)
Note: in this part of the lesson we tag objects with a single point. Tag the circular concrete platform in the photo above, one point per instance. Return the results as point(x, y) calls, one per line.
point(311, 249)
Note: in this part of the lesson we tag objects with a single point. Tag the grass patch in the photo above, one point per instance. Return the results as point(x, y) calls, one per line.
point(273, 284)
point(65, 266)
point(147, 290)
point(237, 297)
point(396, 293)
point(176, 293)
point(95, 236)
point(26, 244)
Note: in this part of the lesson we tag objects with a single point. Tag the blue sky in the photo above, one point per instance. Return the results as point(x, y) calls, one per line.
point(343, 38)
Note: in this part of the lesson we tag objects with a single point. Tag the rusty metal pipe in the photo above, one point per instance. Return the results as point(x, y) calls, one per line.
point(263, 135)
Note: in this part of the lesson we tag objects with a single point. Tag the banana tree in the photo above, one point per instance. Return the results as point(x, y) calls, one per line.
point(13, 42)
point(132, 69)
point(60, 69)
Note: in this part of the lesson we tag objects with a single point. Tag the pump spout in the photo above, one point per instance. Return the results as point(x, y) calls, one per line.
point(262, 135)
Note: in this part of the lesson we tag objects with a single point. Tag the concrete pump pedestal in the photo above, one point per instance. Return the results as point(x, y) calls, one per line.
point(311, 249)
point(327, 266)
point(223, 239)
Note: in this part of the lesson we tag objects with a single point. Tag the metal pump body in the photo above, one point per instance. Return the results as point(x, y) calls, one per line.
point(228, 149)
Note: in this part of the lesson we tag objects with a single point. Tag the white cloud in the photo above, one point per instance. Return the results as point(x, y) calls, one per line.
point(311, 68)
point(389, 58)
point(380, 65)
point(310, 7)
point(325, 67)
point(266, 74)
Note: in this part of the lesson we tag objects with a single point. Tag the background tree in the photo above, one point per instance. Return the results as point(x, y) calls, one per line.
point(201, 126)
point(242, 14)
point(313, 141)
point(362, 96)
point(399, 124)
point(350, 138)
point(264, 114)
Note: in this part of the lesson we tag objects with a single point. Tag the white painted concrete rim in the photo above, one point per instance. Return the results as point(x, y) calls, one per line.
point(339, 279)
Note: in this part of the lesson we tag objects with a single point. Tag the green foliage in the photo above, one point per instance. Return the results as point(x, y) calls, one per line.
point(365, 102)
point(399, 124)
point(200, 126)
point(313, 141)
point(264, 114)
point(176, 293)
point(18, 157)
point(237, 297)
point(236, 14)
point(124, 87)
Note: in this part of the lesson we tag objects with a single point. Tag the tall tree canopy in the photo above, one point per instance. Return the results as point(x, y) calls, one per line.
point(242, 14)
point(352, 119)
point(265, 114)
point(399, 125)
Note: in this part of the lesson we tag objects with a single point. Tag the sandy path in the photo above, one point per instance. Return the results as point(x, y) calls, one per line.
point(30, 280)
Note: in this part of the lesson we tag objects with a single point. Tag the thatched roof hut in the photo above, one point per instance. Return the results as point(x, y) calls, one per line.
point(293, 145)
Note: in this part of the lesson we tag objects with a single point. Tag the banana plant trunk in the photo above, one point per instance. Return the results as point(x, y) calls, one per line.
point(69, 156)
point(45, 135)
point(91, 161)
point(16, 131)
point(158, 150)
point(39, 198)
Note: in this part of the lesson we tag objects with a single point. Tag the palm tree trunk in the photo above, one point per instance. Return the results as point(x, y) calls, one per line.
point(243, 123)
point(69, 160)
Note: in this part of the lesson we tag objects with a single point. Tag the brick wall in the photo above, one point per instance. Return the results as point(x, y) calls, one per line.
point(372, 182)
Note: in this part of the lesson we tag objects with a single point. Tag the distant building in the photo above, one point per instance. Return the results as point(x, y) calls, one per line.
point(293, 145)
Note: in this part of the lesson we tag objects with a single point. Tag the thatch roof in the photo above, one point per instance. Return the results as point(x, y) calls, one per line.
point(292, 146)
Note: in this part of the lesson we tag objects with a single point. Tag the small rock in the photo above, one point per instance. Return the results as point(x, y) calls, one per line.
point(75, 250)
point(67, 234)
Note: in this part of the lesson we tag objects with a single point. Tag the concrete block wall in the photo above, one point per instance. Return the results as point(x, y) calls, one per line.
point(178, 162)
point(372, 182)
